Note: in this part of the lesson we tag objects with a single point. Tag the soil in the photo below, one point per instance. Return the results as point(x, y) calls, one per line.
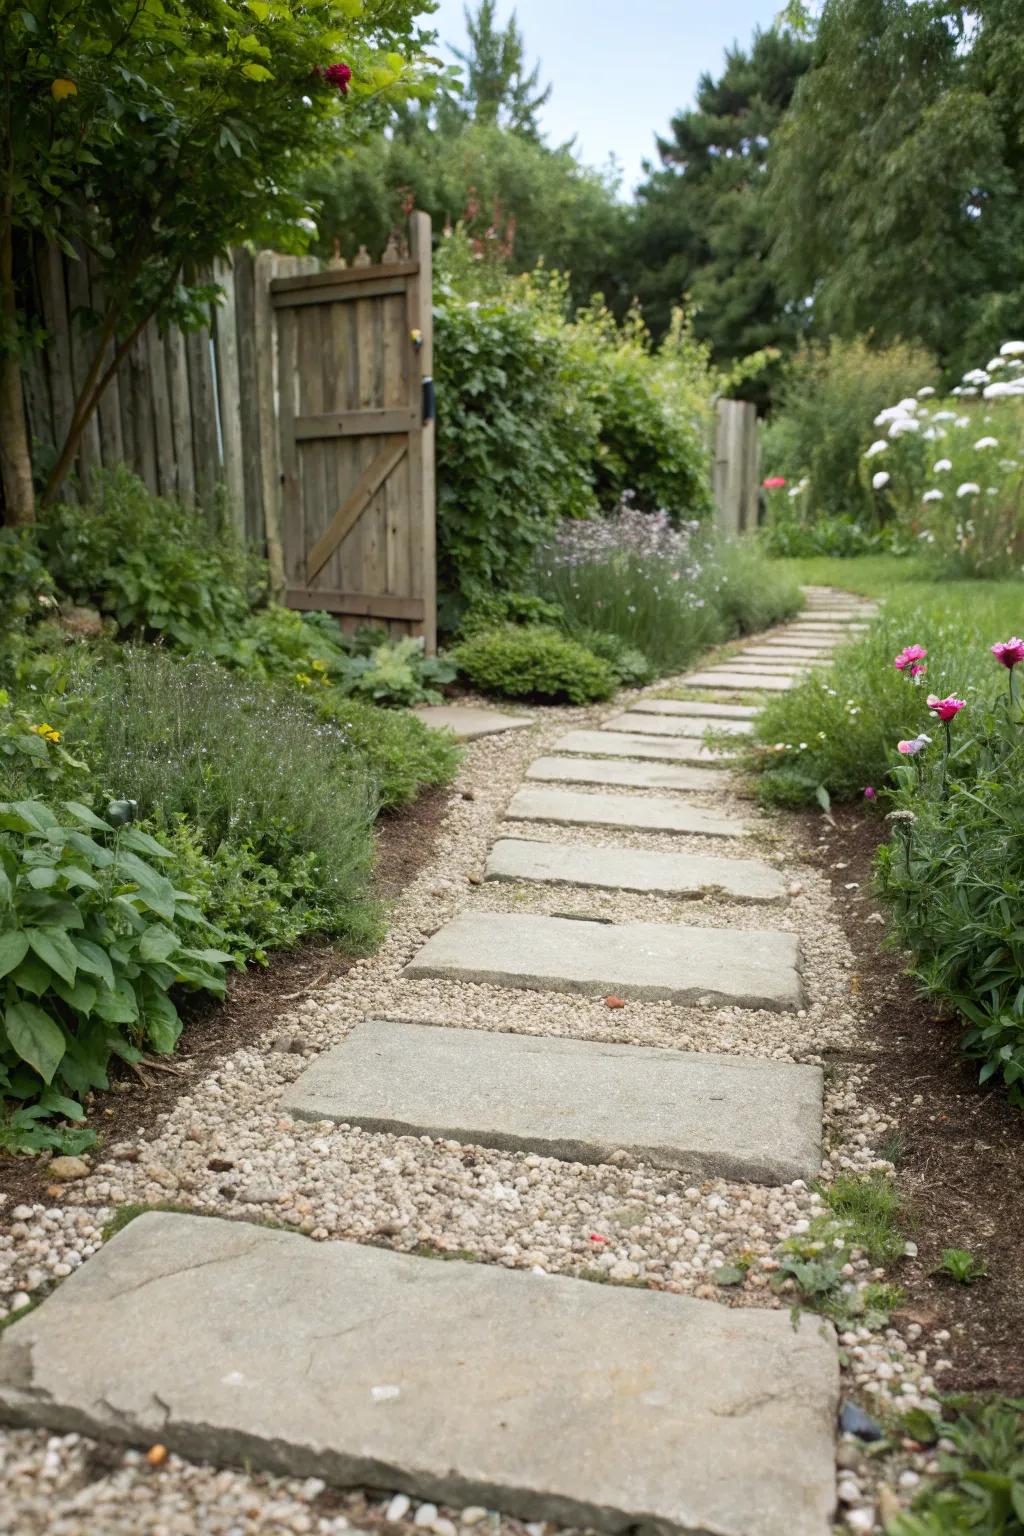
point(958, 1149)
point(137, 1101)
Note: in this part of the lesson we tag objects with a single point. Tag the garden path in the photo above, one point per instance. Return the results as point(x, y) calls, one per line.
point(550, 1397)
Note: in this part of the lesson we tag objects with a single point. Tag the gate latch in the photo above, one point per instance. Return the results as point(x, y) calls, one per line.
point(429, 402)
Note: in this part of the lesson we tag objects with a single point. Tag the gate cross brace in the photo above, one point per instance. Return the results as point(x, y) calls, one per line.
point(348, 514)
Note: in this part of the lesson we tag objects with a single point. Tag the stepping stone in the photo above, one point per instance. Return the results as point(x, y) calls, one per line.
point(714, 1117)
point(742, 681)
point(812, 656)
point(706, 711)
point(832, 615)
point(468, 721)
point(570, 808)
point(634, 869)
point(623, 774)
point(677, 725)
point(611, 744)
point(756, 668)
point(555, 1399)
point(752, 968)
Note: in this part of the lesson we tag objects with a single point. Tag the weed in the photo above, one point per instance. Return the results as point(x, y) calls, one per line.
point(868, 1208)
point(962, 1266)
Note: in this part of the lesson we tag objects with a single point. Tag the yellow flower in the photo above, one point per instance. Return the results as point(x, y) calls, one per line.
point(47, 732)
point(319, 666)
point(63, 88)
point(303, 679)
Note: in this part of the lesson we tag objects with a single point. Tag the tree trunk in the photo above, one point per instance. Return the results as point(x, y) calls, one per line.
point(15, 457)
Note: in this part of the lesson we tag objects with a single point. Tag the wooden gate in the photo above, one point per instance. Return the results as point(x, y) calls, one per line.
point(736, 467)
point(355, 410)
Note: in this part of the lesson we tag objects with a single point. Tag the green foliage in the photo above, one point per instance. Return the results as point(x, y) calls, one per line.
point(393, 672)
point(839, 727)
point(32, 757)
point(819, 431)
point(955, 470)
point(980, 1487)
point(861, 1218)
point(245, 764)
point(154, 566)
point(534, 663)
point(962, 1266)
point(495, 608)
point(94, 937)
point(700, 228)
point(543, 418)
point(666, 592)
point(631, 667)
point(401, 755)
point(895, 190)
point(869, 1209)
point(26, 586)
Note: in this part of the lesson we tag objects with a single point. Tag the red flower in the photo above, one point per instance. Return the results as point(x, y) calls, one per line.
point(1009, 652)
point(773, 483)
point(337, 74)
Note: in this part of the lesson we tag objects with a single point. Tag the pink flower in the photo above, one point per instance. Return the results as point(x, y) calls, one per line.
point(946, 709)
point(912, 748)
point(870, 793)
point(918, 669)
point(1009, 652)
point(908, 655)
point(773, 483)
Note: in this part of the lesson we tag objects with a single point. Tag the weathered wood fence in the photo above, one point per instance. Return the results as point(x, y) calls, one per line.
point(736, 465)
point(213, 416)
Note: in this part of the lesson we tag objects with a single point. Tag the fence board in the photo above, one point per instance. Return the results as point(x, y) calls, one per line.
point(109, 409)
point(141, 411)
point(163, 428)
point(80, 336)
point(229, 393)
point(264, 348)
point(55, 315)
point(248, 405)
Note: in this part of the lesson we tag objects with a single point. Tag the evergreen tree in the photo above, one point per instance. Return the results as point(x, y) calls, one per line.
point(498, 89)
point(701, 225)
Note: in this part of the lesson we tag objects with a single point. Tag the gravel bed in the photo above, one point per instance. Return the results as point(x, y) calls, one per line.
point(226, 1148)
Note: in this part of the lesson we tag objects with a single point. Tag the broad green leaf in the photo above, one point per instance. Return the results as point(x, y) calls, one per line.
point(161, 1020)
point(141, 842)
point(120, 1005)
point(35, 1037)
point(88, 818)
point(158, 943)
point(32, 976)
point(13, 949)
point(81, 997)
point(56, 950)
point(256, 72)
point(43, 878)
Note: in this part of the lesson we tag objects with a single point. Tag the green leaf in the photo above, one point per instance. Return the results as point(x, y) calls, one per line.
point(56, 950)
point(728, 1274)
point(88, 818)
point(118, 1006)
point(94, 959)
point(823, 798)
point(158, 943)
point(141, 842)
point(13, 949)
point(256, 72)
point(921, 1426)
point(33, 976)
point(35, 1037)
point(43, 878)
point(161, 1020)
point(81, 997)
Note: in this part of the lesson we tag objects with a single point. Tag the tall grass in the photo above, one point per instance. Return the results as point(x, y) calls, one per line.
point(670, 592)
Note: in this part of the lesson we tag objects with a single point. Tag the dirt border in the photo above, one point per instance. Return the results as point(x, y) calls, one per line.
point(959, 1148)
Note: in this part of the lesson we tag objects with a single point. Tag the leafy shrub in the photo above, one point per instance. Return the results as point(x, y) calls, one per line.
point(534, 663)
point(400, 753)
point(786, 534)
point(33, 759)
point(631, 667)
point(157, 568)
point(26, 586)
point(667, 592)
point(245, 764)
point(821, 426)
point(495, 608)
point(980, 1487)
point(93, 938)
point(953, 470)
point(514, 440)
point(313, 651)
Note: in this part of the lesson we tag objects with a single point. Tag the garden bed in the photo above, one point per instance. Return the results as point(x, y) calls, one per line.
point(958, 1152)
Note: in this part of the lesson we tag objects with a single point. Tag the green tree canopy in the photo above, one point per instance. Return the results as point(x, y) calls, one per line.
point(498, 87)
point(701, 224)
point(897, 177)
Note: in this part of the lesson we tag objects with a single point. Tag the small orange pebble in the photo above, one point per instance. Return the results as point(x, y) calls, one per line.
point(855, 986)
point(615, 1002)
point(156, 1455)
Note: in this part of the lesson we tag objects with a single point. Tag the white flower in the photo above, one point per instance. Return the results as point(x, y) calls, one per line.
point(987, 442)
point(907, 404)
point(1004, 389)
point(796, 490)
point(957, 390)
point(963, 421)
point(891, 413)
point(1012, 349)
point(994, 363)
point(941, 464)
point(968, 489)
point(976, 376)
point(930, 434)
point(923, 394)
point(879, 446)
point(904, 424)
point(880, 480)
point(945, 415)
point(932, 496)
point(967, 390)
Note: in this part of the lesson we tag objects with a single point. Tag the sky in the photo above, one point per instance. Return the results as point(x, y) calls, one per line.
point(620, 69)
